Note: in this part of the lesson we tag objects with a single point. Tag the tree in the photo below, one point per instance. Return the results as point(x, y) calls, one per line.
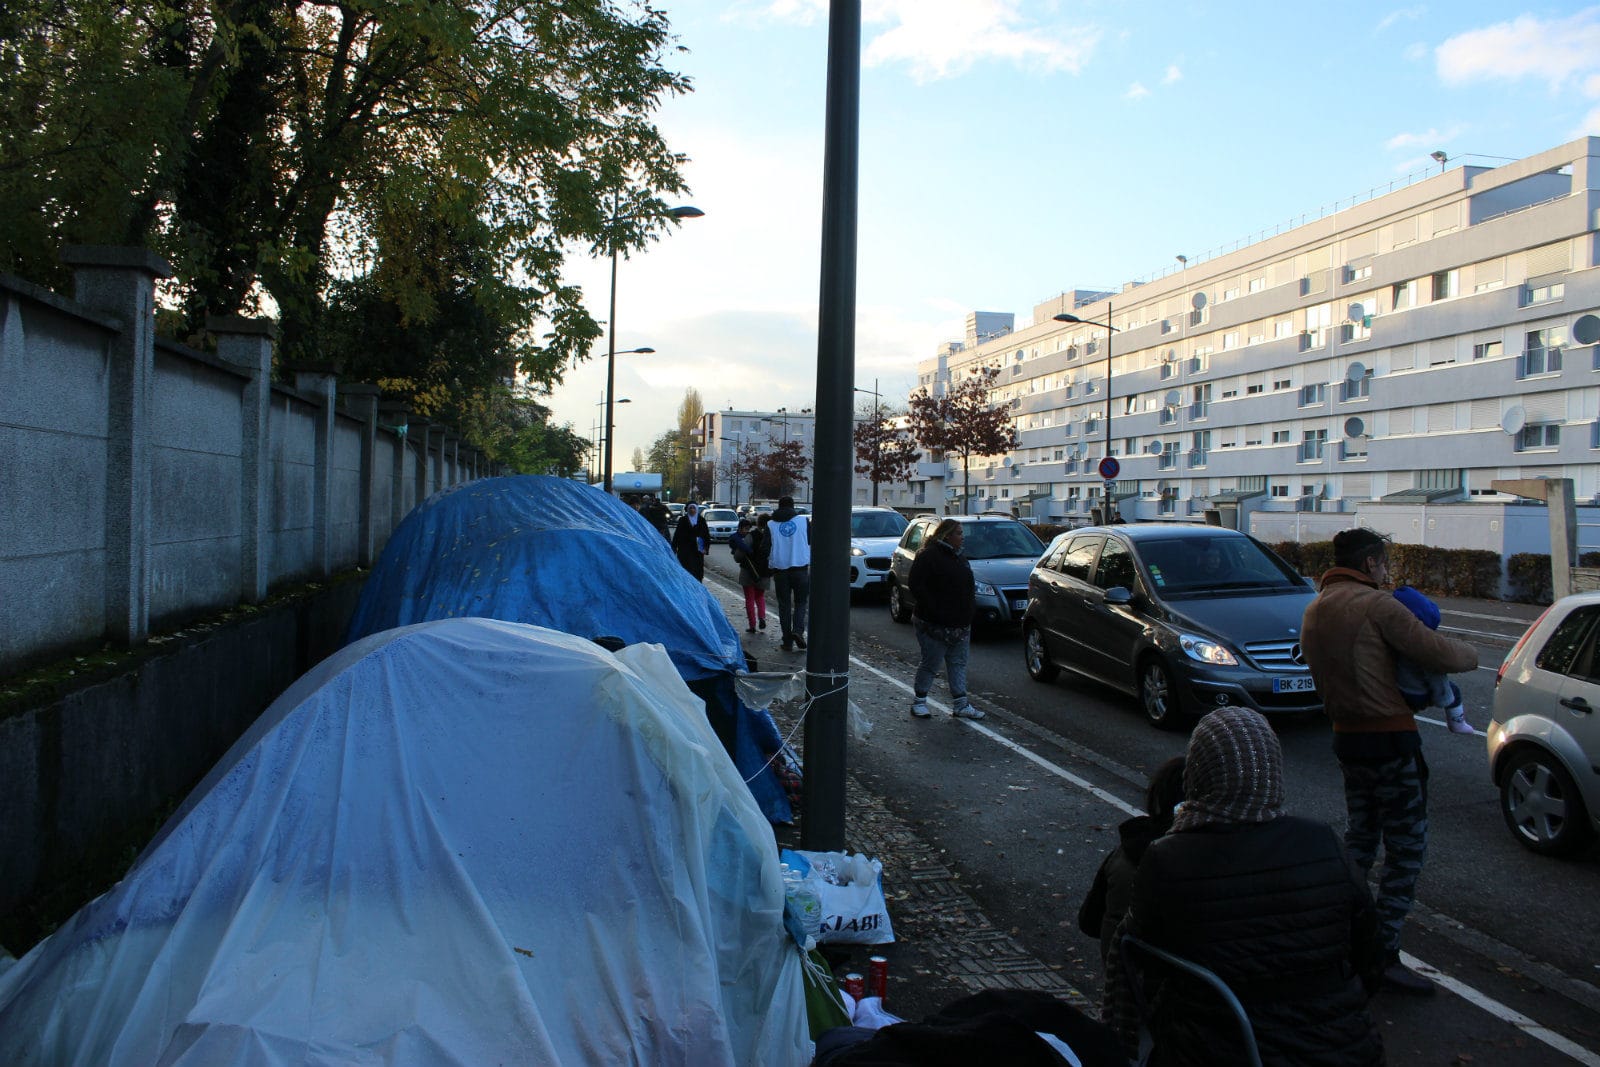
point(275, 150)
point(774, 472)
point(638, 459)
point(885, 451)
point(963, 421)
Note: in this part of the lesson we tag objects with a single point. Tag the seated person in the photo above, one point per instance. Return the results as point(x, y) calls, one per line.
point(1267, 901)
point(1107, 902)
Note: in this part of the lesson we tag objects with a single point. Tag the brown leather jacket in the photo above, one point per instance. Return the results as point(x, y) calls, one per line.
point(1351, 635)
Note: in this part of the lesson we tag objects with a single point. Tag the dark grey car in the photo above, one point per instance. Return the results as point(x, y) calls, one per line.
point(1186, 618)
point(1002, 552)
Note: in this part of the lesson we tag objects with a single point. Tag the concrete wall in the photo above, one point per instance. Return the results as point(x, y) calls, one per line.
point(147, 483)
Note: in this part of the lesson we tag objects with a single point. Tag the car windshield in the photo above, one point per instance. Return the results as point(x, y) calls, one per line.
point(999, 540)
point(722, 515)
point(877, 524)
point(1189, 566)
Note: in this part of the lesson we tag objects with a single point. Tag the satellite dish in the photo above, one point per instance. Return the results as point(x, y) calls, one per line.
point(1586, 331)
point(1354, 427)
point(1197, 301)
point(1355, 313)
point(1174, 398)
point(1355, 371)
point(1153, 448)
point(1006, 462)
point(1513, 420)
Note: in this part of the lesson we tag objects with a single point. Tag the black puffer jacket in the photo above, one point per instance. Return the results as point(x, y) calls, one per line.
point(1277, 910)
point(1102, 910)
point(942, 586)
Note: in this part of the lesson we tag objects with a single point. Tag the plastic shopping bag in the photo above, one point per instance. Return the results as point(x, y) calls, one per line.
point(851, 890)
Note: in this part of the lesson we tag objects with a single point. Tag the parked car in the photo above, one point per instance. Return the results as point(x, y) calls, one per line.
point(1186, 618)
point(723, 522)
point(873, 534)
point(1544, 738)
point(674, 512)
point(1001, 550)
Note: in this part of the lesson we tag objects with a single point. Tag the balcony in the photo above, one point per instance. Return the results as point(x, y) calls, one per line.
point(1168, 416)
point(1167, 461)
point(1197, 410)
point(1537, 361)
point(1196, 458)
point(1310, 451)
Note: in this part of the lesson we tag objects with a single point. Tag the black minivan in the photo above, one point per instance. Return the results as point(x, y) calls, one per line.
point(1186, 618)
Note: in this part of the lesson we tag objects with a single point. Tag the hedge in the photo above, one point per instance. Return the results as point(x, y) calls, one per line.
point(1465, 572)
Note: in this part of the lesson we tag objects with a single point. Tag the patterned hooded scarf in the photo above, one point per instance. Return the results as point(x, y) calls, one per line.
point(1234, 771)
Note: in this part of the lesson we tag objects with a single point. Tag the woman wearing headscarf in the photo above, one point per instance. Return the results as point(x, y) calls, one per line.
point(1267, 901)
point(691, 541)
point(943, 591)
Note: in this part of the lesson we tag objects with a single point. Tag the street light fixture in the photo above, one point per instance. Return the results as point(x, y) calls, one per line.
point(1440, 158)
point(1110, 329)
point(685, 212)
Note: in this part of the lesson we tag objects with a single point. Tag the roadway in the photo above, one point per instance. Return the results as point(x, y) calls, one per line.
point(1026, 803)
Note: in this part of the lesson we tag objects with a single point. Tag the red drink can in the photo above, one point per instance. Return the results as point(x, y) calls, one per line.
point(855, 985)
point(878, 977)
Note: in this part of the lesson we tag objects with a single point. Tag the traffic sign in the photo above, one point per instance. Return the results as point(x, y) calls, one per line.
point(1110, 468)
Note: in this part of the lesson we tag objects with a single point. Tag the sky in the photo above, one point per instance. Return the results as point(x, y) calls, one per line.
point(1012, 150)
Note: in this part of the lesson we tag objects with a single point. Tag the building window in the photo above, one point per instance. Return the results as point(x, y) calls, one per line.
point(1541, 351)
point(1353, 448)
point(1312, 444)
point(1252, 390)
point(1313, 395)
point(1280, 437)
point(1360, 389)
point(1229, 394)
point(1280, 490)
point(1283, 328)
point(1538, 436)
point(1542, 292)
point(1404, 295)
point(1257, 284)
point(1356, 274)
point(1280, 384)
point(1230, 340)
point(1487, 350)
point(1446, 283)
point(1229, 294)
point(1252, 430)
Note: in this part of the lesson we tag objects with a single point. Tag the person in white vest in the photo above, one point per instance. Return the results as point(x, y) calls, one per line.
point(790, 563)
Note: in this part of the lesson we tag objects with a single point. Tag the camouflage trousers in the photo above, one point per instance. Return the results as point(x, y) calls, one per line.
point(1387, 802)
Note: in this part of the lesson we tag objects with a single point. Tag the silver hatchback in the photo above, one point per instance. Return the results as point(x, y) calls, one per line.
point(1544, 740)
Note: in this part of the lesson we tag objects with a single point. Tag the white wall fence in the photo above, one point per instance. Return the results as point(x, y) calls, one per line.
point(144, 483)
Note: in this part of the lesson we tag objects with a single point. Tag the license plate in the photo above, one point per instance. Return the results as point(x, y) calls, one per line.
point(1306, 684)
point(1019, 606)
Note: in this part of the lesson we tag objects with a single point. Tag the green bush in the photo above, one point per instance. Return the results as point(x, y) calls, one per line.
point(1529, 576)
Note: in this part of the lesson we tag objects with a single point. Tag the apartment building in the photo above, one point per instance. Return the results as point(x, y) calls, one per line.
point(1410, 348)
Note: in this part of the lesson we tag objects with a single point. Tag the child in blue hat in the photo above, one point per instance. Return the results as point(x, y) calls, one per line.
point(1428, 688)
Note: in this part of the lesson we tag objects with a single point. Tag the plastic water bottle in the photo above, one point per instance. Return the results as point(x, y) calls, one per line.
point(803, 901)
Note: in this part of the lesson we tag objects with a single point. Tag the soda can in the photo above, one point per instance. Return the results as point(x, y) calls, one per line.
point(855, 985)
point(878, 977)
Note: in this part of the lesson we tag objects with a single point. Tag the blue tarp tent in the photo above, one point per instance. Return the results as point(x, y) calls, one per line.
point(461, 842)
point(561, 554)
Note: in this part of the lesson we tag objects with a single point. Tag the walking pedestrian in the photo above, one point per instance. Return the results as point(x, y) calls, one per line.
point(751, 580)
point(691, 541)
point(942, 586)
point(1352, 635)
point(656, 513)
point(1268, 902)
point(790, 561)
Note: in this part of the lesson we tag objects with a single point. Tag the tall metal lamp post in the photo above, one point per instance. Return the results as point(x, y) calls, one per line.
point(1110, 329)
point(877, 435)
point(685, 212)
point(602, 403)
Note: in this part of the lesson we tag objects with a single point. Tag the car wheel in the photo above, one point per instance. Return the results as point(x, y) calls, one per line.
point(899, 611)
point(1541, 804)
point(1158, 694)
point(1040, 669)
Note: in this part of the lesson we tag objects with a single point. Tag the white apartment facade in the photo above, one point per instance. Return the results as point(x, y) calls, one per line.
point(725, 435)
point(1411, 348)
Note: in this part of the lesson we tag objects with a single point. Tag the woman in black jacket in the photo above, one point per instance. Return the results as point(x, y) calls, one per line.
point(1267, 901)
point(942, 588)
point(691, 541)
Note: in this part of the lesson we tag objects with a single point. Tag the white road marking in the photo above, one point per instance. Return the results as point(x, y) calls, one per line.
point(1482, 1001)
point(1509, 639)
point(1503, 1013)
point(1524, 623)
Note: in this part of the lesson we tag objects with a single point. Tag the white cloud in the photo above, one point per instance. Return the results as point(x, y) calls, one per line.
point(1405, 14)
point(939, 39)
point(1416, 52)
point(1556, 51)
point(1431, 138)
point(1173, 74)
point(1136, 91)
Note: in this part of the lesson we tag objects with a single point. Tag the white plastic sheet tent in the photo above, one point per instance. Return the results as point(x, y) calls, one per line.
point(463, 842)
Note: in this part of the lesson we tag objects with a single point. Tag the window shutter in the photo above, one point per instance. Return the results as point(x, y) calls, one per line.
point(1403, 357)
point(1485, 414)
point(1545, 407)
point(1445, 219)
point(1361, 245)
point(1357, 486)
point(1490, 270)
point(1550, 259)
point(1441, 418)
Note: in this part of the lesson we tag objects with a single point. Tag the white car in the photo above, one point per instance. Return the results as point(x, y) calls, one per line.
point(723, 523)
point(1544, 739)
point(873, 534)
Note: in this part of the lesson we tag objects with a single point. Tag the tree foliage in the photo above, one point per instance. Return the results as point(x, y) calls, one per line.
point(363, 169)
point(963, 421)
point(776, 471)
point(885, 451)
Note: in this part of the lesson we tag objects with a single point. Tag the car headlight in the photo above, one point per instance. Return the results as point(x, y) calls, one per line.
point(1206, 651)
point(984, 588)
point(857, 550)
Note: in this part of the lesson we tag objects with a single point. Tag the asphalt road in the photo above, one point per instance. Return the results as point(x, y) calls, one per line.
point(1026, 804)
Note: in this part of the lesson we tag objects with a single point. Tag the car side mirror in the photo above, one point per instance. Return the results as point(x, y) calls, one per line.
point(1119, 595)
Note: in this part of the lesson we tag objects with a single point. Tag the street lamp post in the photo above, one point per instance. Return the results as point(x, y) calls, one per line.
point(1110, 329)
point(685, 212)
point(601, 442)
point(877, 435)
